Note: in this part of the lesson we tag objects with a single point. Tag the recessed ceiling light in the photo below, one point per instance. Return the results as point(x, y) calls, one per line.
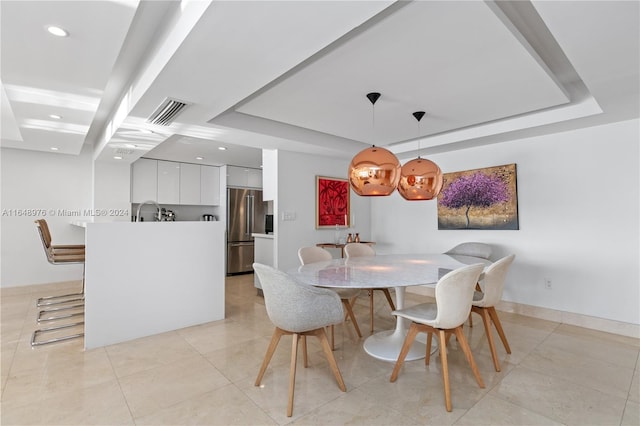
point(146, 131)
point(55, 116)
point(54, 148)
point(131, 145)
point(222, 148)
point(199, 158)
point(57, 31)
point(117, 157)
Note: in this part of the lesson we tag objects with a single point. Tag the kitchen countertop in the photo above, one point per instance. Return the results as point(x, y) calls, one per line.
point(269, 236)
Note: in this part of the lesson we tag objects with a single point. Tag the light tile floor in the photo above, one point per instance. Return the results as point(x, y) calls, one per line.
point(557, 374)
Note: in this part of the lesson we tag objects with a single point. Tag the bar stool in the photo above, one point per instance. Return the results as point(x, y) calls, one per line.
point(59, 255)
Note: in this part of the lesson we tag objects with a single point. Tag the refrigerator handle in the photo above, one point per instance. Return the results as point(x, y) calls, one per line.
point(251, 215)
point(247, 222)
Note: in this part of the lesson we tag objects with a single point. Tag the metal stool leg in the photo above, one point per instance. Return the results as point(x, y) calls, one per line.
point(59, 317)
point(56, 339)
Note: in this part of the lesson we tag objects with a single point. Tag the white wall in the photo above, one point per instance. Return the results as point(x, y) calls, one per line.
point(112, 191)
point(52, 186)
point(296, 194)
point(578, 202)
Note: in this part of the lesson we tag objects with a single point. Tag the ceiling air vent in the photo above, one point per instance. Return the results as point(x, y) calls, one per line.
point(166, 112)
point(123, 151)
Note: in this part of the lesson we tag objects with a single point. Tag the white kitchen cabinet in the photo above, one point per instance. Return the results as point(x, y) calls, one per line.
point(209, 185)
point(144, 180)
point(244, 177)
point(190, 184)
point(254, 178)
point(236, 176)
point(168, 182)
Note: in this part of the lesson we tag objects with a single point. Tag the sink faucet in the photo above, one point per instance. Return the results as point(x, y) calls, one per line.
point(158, 216)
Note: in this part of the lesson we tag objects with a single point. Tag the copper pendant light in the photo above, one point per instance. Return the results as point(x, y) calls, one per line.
point(420, 179)
point(374, 171)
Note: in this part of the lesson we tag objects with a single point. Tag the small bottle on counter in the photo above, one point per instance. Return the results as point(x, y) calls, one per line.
point(349, 238)
point(357, 239)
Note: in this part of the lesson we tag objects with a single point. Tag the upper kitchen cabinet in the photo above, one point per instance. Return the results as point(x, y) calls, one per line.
point(244, 177)
point(168, 182)
point(144, 180)
point(190, 184)
point(209, 185)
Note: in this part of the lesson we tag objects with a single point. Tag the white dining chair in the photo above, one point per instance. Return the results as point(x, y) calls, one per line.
point(359, 250)
point(485, 301)
point(454, 294)
point(298, 310)
point(474, 249)
point(347, 295)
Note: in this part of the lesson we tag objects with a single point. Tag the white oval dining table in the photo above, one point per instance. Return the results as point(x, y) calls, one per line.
point(383, 271)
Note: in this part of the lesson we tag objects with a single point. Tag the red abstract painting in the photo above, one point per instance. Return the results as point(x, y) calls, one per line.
point(332, 202)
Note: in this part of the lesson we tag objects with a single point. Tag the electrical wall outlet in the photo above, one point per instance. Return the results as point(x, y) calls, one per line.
point(547, 283)
point(288, 215)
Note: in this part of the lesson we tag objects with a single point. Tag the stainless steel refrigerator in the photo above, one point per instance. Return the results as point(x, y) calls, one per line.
point(245, 215)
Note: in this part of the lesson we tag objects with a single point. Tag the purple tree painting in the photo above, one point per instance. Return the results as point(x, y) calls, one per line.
point(490, 192)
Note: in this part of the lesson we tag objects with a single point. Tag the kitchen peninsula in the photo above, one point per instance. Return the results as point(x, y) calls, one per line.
point(144, 278)
point(264, 253)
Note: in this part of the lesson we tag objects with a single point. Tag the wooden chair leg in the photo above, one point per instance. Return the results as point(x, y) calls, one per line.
point(275, 339)
point(389, 299)
point(350, 314)
point(462, 340)
point(371, 308)
point(408, 341)
point(486, 320)
point(305, 359)
point(445, 368)
point(292, 373)
point(320, 333)
point(333, 340)
point(371, 302)
point(427, 357)
point(496, 322)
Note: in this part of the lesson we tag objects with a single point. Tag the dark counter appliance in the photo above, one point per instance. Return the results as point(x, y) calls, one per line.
point(268, 224)
point(245, 216)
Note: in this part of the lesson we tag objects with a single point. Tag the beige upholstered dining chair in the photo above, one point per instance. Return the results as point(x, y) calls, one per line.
point(484, 303)
point(360, 250)
point(347, 295)
point(481, 250)
point(298, 310)
point(454, 293)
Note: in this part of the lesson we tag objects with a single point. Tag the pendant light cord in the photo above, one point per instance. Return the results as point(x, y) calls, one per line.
point(373, 97)
point(419, 138)
point(373, 123)
point(418, 116)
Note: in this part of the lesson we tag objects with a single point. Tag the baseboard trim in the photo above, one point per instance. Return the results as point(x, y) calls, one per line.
point(586, 321)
